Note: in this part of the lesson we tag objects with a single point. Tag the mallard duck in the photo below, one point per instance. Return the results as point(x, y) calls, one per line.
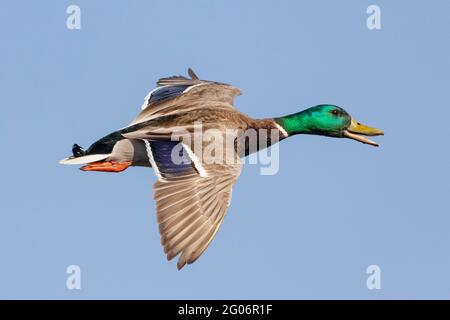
point(192, 196)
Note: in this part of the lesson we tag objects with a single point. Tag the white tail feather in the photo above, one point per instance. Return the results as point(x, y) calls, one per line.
point(84, 159)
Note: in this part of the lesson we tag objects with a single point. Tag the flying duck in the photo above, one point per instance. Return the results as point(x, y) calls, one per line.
point(193, 190)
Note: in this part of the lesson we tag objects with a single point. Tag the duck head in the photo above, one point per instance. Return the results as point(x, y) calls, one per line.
point(328, 120)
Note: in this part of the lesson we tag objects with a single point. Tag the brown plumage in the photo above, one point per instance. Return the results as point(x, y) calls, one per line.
point(193, 190)
point(191, 203)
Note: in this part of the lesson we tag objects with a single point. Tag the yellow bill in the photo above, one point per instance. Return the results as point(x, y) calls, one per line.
point(356, 131)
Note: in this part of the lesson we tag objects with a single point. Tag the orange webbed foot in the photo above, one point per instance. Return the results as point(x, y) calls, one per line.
point(107, 166)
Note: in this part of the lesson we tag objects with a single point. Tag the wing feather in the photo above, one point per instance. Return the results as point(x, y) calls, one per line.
point(190, 211)
point(180, 94)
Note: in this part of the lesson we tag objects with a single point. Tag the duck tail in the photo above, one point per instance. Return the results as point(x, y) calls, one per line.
point(79, 156)
point(97, 158)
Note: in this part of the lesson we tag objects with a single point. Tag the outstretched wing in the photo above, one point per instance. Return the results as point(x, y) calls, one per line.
point(178, 94)
point(191, 199)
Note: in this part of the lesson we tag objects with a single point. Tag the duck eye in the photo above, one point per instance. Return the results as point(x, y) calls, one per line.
point(335, 112)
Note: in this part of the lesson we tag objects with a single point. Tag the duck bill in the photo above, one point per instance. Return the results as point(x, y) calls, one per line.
point(357, 131)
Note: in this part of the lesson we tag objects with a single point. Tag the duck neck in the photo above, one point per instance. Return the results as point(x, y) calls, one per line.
point(296, 123)
point(270, 128)
point(259, 134)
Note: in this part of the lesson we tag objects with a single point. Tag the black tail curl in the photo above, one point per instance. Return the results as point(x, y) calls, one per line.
point(78, 151)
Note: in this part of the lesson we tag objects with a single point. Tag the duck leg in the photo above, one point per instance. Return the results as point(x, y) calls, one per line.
point(107, 166)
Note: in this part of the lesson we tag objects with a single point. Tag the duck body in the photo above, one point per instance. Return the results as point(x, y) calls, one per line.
point(194, 180)
point(133, 151)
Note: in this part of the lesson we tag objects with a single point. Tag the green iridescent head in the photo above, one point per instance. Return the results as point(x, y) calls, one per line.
point(327, 120)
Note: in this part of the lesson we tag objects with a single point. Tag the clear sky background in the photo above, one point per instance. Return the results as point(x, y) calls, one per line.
point(335, 207)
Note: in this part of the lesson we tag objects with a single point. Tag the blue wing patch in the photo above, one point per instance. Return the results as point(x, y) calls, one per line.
point(167, 93)
point(171, 159)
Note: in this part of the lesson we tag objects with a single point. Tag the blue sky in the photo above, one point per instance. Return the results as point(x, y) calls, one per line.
point(334, 208)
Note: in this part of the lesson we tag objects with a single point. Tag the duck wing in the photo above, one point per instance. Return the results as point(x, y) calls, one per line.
point(180, 94)
point(192, 199)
